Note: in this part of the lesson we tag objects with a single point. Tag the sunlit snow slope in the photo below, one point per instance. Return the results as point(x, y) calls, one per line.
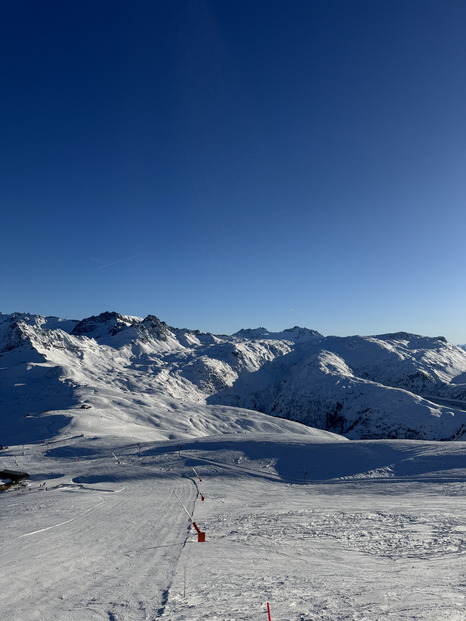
point(143, 373)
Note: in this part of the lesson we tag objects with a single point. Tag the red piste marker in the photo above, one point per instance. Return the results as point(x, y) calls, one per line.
point(268, 611)
point(200, 534)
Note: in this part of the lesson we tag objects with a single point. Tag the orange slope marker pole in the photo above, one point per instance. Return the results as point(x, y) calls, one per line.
point(200, 534)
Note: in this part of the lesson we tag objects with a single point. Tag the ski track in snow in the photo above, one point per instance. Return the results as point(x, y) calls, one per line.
point(111, 541)
point(108, 561)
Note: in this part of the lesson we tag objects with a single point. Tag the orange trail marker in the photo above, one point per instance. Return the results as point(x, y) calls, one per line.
point(200, 534)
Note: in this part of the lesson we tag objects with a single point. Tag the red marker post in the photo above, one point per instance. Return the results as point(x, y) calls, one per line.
point(268, 611)
point(200, 534)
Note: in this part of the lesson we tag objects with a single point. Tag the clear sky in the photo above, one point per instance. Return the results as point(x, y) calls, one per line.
point(234, 163)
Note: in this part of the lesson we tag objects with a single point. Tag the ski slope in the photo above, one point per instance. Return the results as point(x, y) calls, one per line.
point(318, 526)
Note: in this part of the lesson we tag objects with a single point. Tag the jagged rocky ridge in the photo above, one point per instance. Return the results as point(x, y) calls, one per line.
point(392, 385)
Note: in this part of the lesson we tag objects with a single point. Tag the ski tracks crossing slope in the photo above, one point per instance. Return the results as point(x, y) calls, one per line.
point(113, 559)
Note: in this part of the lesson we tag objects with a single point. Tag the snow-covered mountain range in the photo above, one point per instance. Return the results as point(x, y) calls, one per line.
point(131, 369)
point(133, 438)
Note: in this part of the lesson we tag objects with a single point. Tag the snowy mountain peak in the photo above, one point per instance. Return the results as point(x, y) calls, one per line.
point(116, 330)
point(301, 334)
point(105, 324)
point(17, 329)
point(157, 328)
point(252, 333)
point(13, 332)
point(289, 334)
point(411, 338)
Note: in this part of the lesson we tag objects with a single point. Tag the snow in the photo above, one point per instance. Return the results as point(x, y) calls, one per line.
point(319, 526)
point(362, 387)
point(125, 449)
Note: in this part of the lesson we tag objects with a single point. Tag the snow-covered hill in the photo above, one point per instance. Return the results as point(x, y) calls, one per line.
point(145, 374)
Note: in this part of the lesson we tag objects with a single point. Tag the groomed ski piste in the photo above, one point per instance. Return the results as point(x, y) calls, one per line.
point(318, 526)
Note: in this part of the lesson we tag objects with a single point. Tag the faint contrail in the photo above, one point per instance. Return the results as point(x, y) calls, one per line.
point(101, 267)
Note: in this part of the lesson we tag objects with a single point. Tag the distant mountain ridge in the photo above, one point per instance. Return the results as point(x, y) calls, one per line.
point(383, 386)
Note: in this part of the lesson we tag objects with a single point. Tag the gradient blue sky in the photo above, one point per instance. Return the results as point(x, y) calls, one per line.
point(230, 163)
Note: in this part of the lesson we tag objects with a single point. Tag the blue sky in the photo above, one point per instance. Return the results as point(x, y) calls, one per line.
point(236, 163)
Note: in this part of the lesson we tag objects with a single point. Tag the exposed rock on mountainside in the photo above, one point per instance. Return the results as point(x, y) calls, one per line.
point(104, 324)
point(362, 387)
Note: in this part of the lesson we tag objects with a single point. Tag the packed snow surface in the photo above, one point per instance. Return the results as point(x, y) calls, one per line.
point(319, 527)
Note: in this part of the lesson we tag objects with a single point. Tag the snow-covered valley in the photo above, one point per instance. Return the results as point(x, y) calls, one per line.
point(130, 431)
